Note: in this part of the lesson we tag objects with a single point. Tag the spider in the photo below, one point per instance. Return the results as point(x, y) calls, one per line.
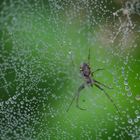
point(89, 80)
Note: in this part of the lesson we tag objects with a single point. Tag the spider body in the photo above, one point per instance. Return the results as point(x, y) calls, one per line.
point(86, 73)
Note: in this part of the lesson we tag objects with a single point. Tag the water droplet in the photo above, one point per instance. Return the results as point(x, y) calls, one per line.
point(70, 52)
point(109, 138)
point(21, 102)
point(136, 112)
point(136, 120)
point(116, 117)
point(125, 82)
point(122, 70)
point(130, 121)
point(129, 94)
point(137, 97)
point(138, 116)
point(127, 88)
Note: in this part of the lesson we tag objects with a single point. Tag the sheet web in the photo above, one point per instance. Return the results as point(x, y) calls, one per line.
point(43, 44)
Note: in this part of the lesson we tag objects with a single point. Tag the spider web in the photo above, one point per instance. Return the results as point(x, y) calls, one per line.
point(43, 43)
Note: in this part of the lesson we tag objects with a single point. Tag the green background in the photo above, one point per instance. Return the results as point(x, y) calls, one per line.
point(43, 44)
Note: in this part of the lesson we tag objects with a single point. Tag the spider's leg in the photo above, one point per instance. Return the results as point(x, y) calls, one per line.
point(76, 95)
point(71, 101)
point(72, 61)
point(89, 56)
point(111, 100)
point(77, 98)
point(102, 84)
point(96, 71)
point(71, 57)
